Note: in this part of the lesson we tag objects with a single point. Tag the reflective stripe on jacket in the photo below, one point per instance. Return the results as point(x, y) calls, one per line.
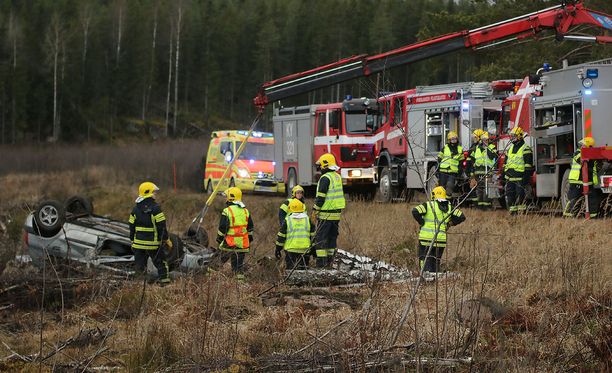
point(434, 216)
point(334, 197)
point(237, 236)
point(449, 163)
point(575, 176)
point(482, 159)
point(147, 225)
point(515, 165)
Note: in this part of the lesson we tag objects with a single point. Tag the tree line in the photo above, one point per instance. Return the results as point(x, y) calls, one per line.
point(96, 70)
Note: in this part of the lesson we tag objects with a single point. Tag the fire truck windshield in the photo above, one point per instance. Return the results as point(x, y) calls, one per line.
point(360, 122)
point(258, 151)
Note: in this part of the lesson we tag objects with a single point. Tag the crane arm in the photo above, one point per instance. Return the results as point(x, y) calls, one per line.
point(559, 18)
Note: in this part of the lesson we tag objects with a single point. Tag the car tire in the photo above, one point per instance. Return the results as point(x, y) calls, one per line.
point(79, 205)
point(49, 217)
point(291, 181)
point(386, 191)
point(175, 256)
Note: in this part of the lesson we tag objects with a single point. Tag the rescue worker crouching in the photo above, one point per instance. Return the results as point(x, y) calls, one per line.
point(518, 168)
point(148, 233)
point(436, 215)
point(327, 209)
point(297, 192)
point(295, 236)
point(448, 160)
point(235, 232)
point(576, 185)
point(483, 160)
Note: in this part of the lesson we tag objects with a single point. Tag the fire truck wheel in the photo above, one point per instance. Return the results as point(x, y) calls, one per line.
point(291, 181)
point(565, 185)
point(386, 191)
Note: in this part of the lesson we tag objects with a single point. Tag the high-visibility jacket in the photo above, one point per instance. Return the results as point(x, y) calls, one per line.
point(484, 159)
point(435, 218)
point(329, 201)
point(449, 162)
point(296, 233)
point(575, 176)
point(284, 210)
point(518, 160)
point(237, 235)
point(147, 225)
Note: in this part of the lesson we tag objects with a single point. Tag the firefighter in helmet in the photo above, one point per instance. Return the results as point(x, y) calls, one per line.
point(434, 217)
point(469, 169)
point(297, 192)
point(576, 184)
point(327, 209)
point(148, 233)
point(482, 158)
point(517, 171)
point(448, 162)
point(295, 236)
point(235, 232)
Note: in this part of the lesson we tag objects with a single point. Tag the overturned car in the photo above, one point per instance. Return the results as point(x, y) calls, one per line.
point(71, 231)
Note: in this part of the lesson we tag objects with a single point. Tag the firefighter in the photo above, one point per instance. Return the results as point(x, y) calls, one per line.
point(235, 232)
point(297, 192)
point(448, 161)
point(575, 180)
point(435, 215)
point(483, 161)
point(295, 236)
point(517, 170)
point(148, 233)
point(469, 169)
point(327, 209)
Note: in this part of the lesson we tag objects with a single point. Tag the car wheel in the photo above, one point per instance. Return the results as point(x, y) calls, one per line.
point(175, 256)
point(49, 218)
point(291, 181)
point(79, 205)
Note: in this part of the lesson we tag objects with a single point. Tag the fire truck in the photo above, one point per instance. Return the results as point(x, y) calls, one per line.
point(560, 19)
point(557, 108)
point(345, 129)
point(423, 117)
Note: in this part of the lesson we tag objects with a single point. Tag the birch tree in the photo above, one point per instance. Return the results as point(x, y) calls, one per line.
point(146, 94)
point(168, 90)
point(179, 19)
point(14, 34)
point(54, 43)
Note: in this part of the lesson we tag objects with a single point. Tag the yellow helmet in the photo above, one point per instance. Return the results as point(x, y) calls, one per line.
point(295, 189)
point(327, 160)
point(518, 132)
point(587, 142)
point(484, 135)
point(477, 133)
point(233, 194)
point(452, 134)
point(295, 205)
point(438, 193)
point(146, 189)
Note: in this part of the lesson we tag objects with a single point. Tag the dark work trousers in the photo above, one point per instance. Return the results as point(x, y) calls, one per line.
point(159, 260)
point(296, 260)
point(574, 194)
point(515, 196)
point(325, 240)
point(483, 201)
point(447, 181)
point(430, 263)
point(237, 260)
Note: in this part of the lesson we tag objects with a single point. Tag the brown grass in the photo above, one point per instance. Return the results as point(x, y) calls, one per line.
point(544, 281)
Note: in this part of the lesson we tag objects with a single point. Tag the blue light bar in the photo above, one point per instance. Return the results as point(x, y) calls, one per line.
point(592, 73)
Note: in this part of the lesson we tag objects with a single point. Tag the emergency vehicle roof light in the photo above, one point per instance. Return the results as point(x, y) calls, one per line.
point(348, 97)
point(257, 134)
point(592, 73)
point(546, 66)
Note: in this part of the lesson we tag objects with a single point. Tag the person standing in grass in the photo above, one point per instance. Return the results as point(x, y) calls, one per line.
point(295, 236)
point(148, 232)
point(297, 192)
point(434, 217)
point(517, 171)
point(327, 209)
point(574, 192)
point(235, 232)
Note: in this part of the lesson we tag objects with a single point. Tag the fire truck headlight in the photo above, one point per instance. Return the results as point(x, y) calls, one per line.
point(243, 173)
point(354, 173)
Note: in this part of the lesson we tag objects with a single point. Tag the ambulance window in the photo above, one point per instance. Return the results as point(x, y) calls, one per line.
point(335, 118)
point(320, 123)
point(397, 111)
point(226, 146)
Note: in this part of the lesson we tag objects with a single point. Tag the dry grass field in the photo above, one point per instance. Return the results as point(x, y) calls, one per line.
point(534, 293)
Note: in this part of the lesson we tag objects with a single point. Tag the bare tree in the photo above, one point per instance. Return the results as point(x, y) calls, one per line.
point(146, 94)
point(119, 5)
point(54, 42)
point(14, 34)
point(179, 20)
point(85, 16)
point(170, 53)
